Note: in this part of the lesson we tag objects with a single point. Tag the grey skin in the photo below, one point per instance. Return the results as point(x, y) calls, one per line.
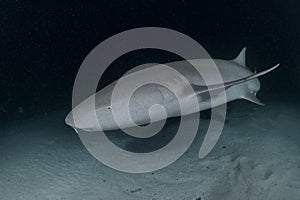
point(239, 83)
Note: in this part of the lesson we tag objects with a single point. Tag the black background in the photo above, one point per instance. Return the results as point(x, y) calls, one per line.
point(44, 43)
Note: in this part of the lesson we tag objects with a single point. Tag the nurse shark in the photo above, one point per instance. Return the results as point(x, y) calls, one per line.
point(239, 83)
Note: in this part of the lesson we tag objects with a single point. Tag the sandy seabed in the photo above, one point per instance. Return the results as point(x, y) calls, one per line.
point(256, 158)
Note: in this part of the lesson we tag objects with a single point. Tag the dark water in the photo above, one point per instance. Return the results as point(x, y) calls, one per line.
point(42, 47)
point(43, 44)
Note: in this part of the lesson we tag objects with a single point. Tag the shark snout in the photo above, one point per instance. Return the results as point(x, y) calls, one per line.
point(69, 120)
point(81, 124)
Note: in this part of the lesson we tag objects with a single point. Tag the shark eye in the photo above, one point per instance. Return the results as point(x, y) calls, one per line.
point(109, 107)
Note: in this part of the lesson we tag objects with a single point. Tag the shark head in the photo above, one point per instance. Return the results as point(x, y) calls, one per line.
point(95, 113)
point(85, 116)
point(89, 122)
point(81, 119)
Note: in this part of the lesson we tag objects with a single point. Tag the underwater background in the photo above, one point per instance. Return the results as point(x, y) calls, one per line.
point(42, 47)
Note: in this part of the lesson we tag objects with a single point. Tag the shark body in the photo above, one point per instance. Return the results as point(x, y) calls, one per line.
point(239, 83)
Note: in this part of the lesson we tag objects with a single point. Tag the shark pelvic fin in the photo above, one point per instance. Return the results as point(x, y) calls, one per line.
point(241, 58)
point(252, 98)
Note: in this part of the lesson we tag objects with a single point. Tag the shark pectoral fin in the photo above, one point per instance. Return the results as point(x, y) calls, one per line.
point(199, 89)
point(253, 99)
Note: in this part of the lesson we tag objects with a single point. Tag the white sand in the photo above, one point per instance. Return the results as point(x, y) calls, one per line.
point(257, 157)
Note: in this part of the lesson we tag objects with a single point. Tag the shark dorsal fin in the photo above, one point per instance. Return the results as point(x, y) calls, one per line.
point(241, 58)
